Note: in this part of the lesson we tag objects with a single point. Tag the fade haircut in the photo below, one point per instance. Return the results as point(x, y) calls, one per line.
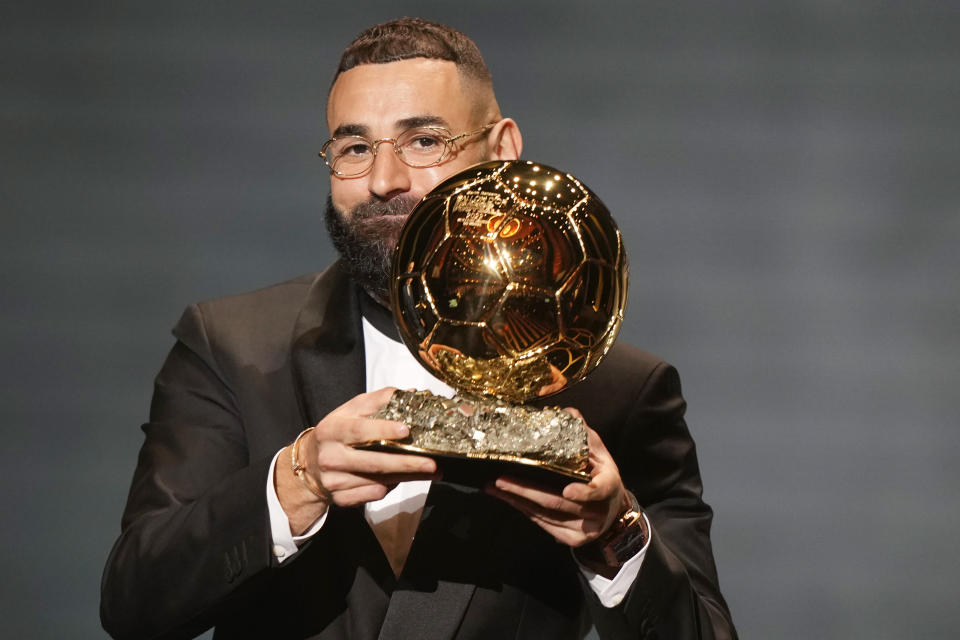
point(407, 38)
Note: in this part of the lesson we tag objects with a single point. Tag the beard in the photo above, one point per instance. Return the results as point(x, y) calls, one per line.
point(366, 239)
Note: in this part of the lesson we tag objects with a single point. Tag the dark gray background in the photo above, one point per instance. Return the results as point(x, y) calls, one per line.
point(786, 175)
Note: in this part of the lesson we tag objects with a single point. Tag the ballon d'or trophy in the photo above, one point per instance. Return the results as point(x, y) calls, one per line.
point(509, 283)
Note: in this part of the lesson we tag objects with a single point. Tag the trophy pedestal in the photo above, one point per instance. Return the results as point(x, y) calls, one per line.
point(475, 439)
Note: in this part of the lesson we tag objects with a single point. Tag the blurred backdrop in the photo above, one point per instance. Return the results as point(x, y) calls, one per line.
point(786, 175)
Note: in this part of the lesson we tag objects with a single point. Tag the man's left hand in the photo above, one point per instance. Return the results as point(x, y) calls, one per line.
point(582, 512)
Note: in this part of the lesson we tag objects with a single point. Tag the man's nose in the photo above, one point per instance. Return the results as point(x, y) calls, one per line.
point(389, 176)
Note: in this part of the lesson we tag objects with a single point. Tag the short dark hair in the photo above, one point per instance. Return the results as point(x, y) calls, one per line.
point(407, 38)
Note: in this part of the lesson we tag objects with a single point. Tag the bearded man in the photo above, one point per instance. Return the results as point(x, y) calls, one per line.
point(236, 521)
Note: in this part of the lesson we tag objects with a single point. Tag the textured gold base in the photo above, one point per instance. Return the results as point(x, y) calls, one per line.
point(477, 439)
point(501, 465)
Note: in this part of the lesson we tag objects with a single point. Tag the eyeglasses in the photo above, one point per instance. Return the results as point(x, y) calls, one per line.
point(350, 156)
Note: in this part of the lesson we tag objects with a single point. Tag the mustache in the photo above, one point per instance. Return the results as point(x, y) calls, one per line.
point(375, 208)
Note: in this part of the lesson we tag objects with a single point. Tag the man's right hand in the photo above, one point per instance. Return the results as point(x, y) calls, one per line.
point(351, 476)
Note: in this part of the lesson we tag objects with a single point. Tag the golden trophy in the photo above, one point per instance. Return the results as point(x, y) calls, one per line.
point(509, 283)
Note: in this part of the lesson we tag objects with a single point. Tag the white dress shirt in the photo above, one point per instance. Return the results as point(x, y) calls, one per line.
point(394, 519)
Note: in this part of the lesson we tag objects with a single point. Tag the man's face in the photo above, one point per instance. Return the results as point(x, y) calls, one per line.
point(377, 101)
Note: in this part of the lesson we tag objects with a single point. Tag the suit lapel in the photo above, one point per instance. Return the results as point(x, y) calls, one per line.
point(329, 369)
point(431, 596)
point(426, 615)
point(327, 351)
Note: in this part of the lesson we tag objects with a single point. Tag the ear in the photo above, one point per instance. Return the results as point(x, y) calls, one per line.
point(505, 141)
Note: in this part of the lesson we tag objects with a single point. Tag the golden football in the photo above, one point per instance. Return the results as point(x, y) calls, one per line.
point(510, 280)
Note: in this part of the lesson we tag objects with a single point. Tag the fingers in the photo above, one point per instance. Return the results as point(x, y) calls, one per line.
point(545, 500)
point(606, 476)
point(360, 495)
point(351, 422)
point(353, 477)
point(335, 456)
point(367, 404)
point(536, 511)
point(584, 492)
point(348, 489)
point(604, 483)
point(572, 529)
point(344, 480)
point(581, 511)
point(351, 429)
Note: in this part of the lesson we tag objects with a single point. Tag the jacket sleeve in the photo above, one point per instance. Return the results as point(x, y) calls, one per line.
point(196, 528)
point(676, 594)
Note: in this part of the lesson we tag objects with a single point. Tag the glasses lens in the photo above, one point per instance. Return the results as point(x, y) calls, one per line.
point(348, 156)
point(421, 147)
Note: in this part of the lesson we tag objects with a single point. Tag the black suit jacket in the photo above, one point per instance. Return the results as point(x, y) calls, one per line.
point(249, 372)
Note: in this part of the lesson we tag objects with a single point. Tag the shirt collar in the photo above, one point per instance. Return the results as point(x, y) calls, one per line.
point(378, 315)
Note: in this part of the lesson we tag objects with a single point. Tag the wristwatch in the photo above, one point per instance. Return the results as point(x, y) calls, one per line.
point(626, 536)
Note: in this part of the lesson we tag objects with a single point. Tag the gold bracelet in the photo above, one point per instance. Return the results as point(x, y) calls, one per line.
point(301, 471)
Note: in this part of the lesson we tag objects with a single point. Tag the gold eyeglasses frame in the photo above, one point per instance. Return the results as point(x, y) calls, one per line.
point(442, 133)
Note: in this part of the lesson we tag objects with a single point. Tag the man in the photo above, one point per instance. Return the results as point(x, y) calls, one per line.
point(236, 521)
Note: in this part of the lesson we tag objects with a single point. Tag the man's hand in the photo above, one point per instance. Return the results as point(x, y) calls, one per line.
point(351, 476)
point(582, 512)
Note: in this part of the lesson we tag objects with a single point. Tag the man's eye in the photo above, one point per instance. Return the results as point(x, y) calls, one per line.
point(424, 143)
point(355, 150)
